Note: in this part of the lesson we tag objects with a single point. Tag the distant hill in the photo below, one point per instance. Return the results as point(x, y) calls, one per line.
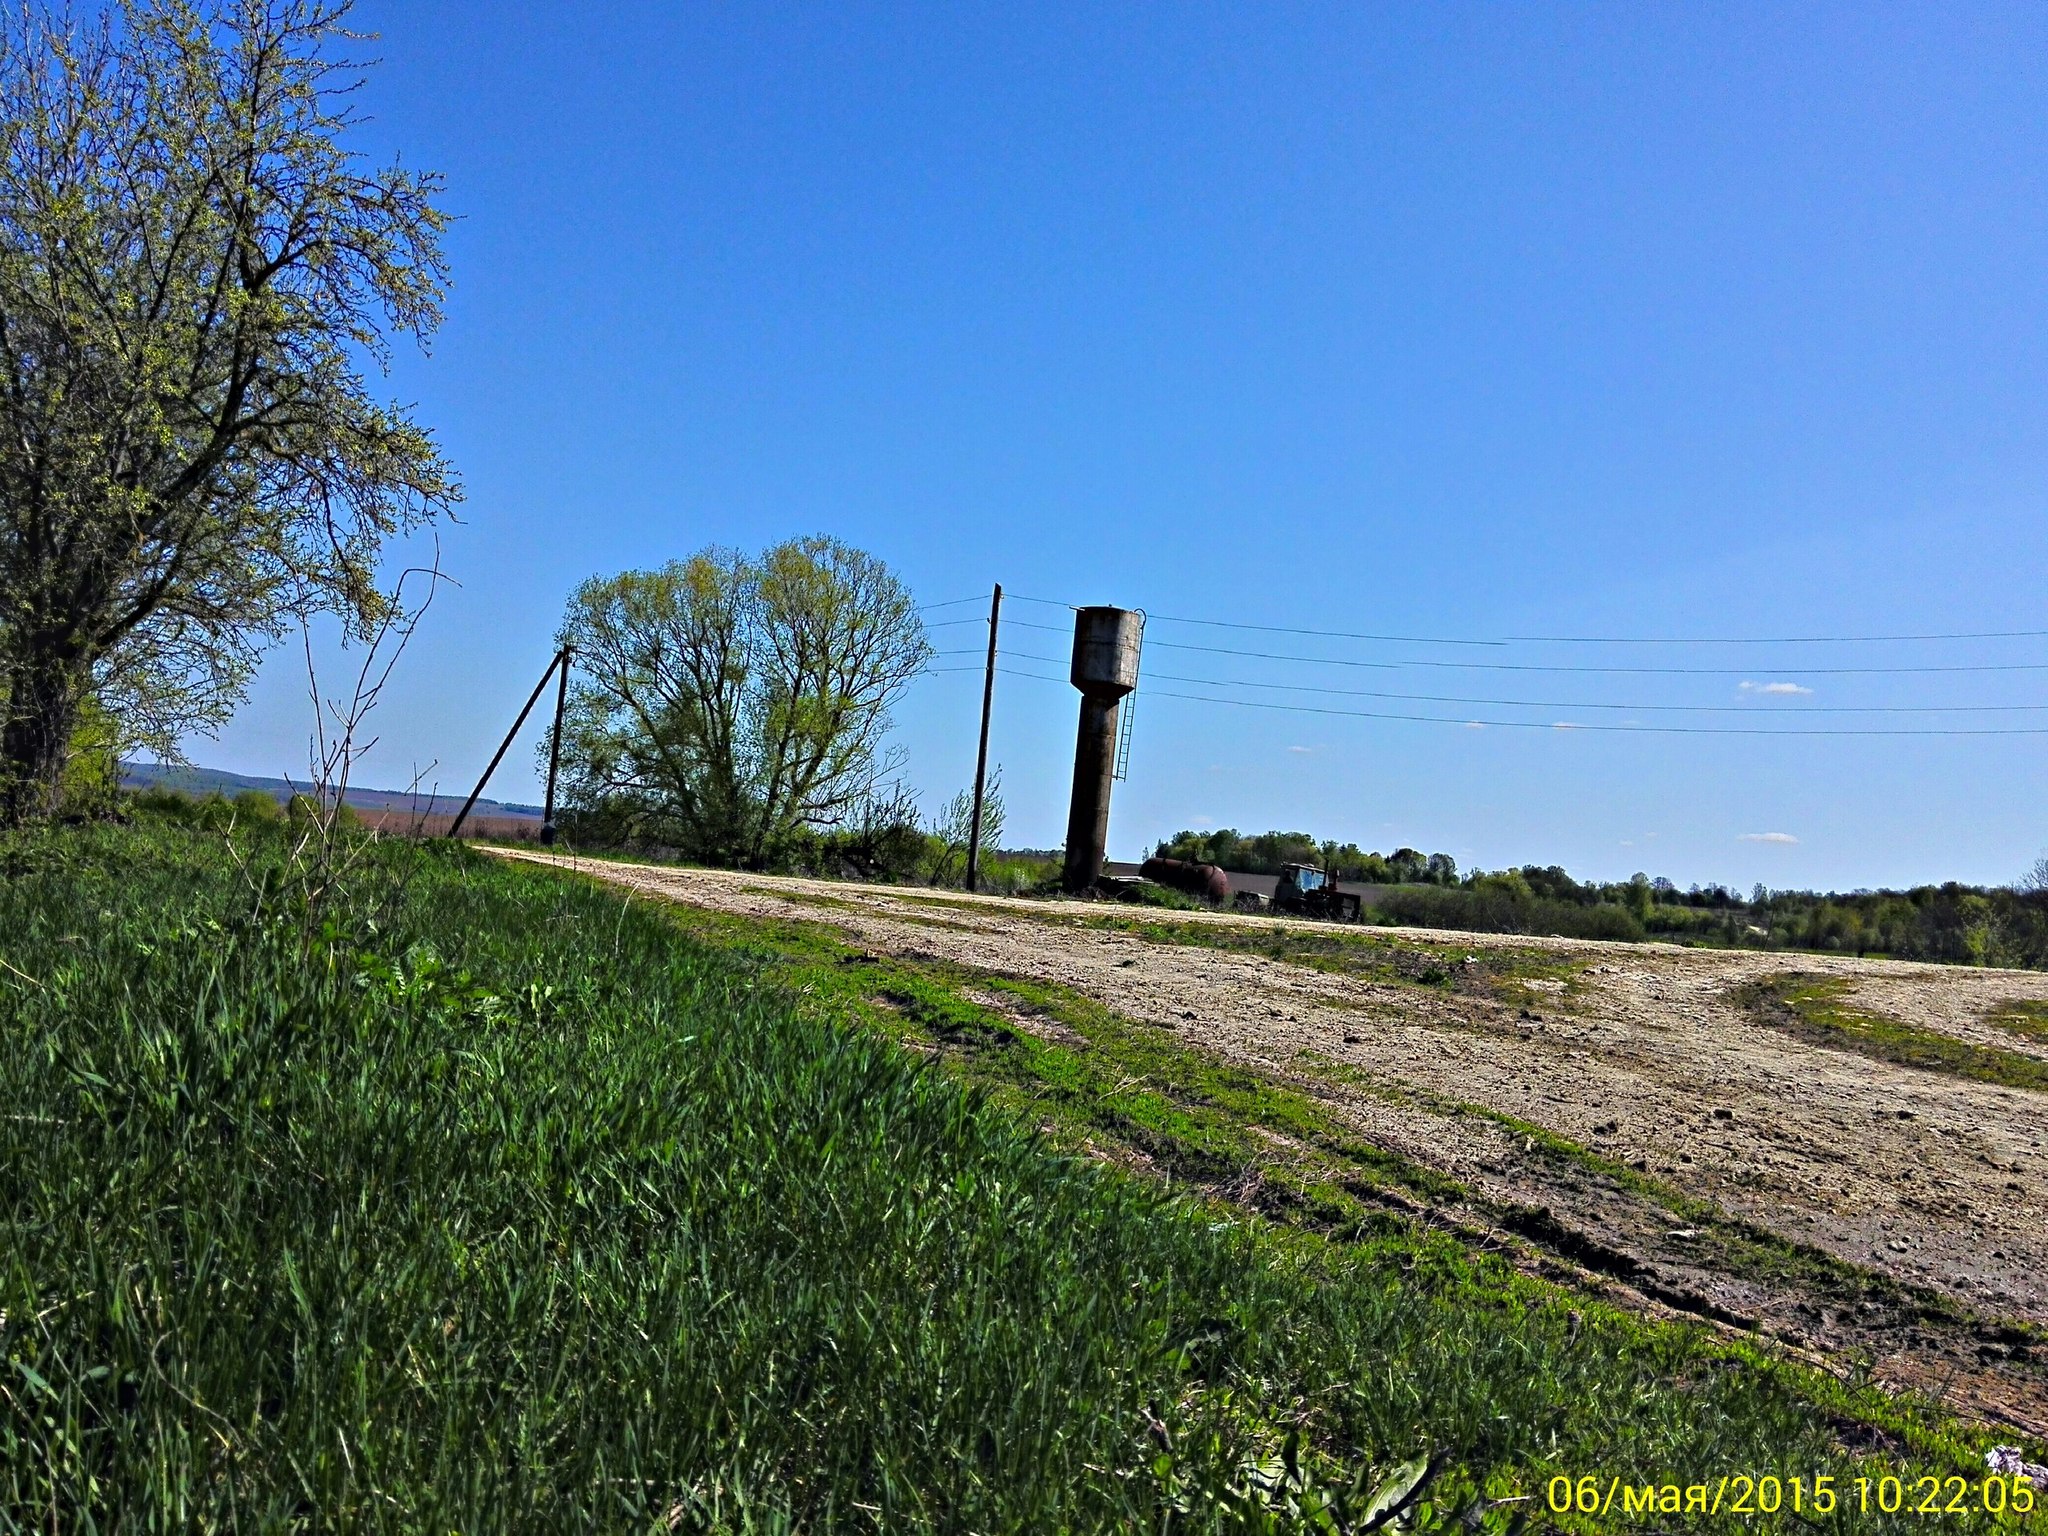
point(208, 781)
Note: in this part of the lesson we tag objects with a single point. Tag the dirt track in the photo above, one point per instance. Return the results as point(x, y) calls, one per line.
point(1937, 1181)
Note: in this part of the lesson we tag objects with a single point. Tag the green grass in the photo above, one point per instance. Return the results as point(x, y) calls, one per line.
point(484, 1199)
point(1082, 1074)
point(2027, 1018)
point(1131, 1092)
point(1342, 951)
point(1817, 1009)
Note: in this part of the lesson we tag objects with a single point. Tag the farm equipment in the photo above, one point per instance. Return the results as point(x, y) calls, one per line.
point(1205, 881)
point(1305, 891)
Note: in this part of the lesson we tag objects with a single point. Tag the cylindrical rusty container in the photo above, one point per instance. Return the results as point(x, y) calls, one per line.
point(1106, 651)
point(1203, 880)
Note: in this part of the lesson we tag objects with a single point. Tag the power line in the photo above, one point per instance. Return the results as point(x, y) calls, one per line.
point(1526, 666)
point(1340, 634)
point(1573, 725)
point(1051, 629)
point(1036, 677)
point(1556, 725)
point(1731, 709)
point(951, 602)
point(1395, 639)
point(1982, 634)
point(1333, 661)
point(1633, 728)
point(1439, 698)
point(1329, 634)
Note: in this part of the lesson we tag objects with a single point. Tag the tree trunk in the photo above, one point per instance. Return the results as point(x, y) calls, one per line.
point(35, 742)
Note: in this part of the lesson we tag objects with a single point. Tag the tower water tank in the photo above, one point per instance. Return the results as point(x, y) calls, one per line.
point(1105, 669)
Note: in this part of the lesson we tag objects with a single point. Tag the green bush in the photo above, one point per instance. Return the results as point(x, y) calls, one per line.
point(257, 807)
point(1491, 909)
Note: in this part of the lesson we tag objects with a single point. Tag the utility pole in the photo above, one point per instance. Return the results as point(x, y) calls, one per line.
point(561, 660)
point(547, 818)
point(988, 696)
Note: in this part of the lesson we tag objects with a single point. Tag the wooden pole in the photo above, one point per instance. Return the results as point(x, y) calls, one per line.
point(547, 815)
point(561, 660)
point(988, 695)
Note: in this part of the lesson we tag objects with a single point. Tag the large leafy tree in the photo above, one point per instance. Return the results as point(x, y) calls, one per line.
point(724, 702)
point(196, 277)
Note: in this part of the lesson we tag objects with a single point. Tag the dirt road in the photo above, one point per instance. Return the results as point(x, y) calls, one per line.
point(1639, 1052)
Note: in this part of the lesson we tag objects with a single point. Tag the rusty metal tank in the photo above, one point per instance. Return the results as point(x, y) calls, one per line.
point(1106, 642)
point(1204, 880)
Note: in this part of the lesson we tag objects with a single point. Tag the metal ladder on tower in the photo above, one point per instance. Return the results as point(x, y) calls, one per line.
point(1127, 712)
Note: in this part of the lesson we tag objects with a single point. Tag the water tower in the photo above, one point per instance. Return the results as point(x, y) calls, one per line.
point(1106, 643)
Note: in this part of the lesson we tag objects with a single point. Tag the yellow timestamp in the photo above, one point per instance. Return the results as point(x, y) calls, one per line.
point(1770, 1494)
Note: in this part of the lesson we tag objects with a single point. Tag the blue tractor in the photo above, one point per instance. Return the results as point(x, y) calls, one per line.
point(1306, 891)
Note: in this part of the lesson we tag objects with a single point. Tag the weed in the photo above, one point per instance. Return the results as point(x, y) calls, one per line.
point(1817, 1009)
point(2027, 1018)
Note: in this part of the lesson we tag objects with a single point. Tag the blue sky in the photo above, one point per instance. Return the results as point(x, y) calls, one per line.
point(1446, 321)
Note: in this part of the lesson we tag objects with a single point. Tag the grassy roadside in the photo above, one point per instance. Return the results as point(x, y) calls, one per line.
point(480, 1198)
point(1503, 971)
point(1817, 1009)
point(1131, 1094)
point(1137, 1095)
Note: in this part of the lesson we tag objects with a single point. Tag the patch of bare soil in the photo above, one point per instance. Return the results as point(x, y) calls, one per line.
point(1929, 1191)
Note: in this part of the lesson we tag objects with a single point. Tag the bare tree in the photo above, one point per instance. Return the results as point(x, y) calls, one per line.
point(194, 274)
point(953, 827)
point(723, 702)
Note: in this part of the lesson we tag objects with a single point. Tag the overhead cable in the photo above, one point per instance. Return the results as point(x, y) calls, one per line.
point(954, 602)
point(1981, 634)
point(1439, 698)
point(1551, 725)
point(1530, 666)
point(1330, 634)
point(1341, 634)
point(1573, 725)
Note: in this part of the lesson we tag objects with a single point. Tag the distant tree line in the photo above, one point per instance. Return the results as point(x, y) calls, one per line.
point(1951, 923)
point(1265, 853)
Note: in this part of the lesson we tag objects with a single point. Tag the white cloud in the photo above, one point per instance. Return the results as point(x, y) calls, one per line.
point(1563, 725)
point(1777, 688)
point(1475, 725)
point(1768, 837)
point(1301, 749)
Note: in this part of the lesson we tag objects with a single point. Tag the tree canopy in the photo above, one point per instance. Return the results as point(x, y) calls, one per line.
point(196, 273)
point(1264, 853)
point(725, 702)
